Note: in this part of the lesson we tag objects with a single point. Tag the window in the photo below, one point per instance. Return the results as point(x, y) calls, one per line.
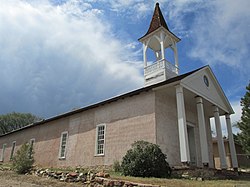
point(12, 150)
point(3, 150)
point(62, 152)
point(205, 79)
point(100, 139)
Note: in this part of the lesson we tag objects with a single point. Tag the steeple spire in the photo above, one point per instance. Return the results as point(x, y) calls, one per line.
point(157, 20)
point(158, 39)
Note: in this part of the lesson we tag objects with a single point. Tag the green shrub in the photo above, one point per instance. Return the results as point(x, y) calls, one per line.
point(117, 166)
point(145, 159)
point(23, 160)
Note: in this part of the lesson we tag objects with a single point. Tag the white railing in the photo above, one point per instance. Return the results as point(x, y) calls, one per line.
point(160, 64)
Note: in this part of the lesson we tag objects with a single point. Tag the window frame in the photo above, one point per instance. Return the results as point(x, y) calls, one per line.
point(13, 147)
point(60, 156)
point(3, 151)
point(96, 143)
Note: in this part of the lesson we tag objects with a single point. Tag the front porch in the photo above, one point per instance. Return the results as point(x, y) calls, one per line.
point(205, 110)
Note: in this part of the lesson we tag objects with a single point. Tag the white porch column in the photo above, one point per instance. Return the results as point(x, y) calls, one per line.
point(222, 153)
point(202, 131)
point(182, 126)
point(231, 142)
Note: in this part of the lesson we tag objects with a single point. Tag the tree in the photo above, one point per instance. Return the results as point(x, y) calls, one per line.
point(13, 121)
point(145, 159)
point(23, 160)
point(244, 124)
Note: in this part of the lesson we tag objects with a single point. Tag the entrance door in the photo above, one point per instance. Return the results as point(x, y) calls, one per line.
point(192, 147)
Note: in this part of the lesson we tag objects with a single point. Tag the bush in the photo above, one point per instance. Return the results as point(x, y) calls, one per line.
point(23, 160)
point(117, 166)
point(145, 159)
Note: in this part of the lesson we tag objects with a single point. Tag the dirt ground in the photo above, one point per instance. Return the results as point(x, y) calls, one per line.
point(10, 179)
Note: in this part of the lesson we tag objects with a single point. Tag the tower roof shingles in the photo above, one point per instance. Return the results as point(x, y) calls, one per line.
point(157, 20)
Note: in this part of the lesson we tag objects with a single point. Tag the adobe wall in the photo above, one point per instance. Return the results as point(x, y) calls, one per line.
point(166, 126)
point(127, 120)
point(47, 140)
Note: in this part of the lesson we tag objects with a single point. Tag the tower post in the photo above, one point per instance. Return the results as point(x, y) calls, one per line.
point(145, 55)
point(162, 46)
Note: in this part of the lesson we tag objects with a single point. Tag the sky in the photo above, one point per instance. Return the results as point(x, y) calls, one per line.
point(59, 55)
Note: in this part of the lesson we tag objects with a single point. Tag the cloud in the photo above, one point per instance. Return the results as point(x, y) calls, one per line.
point(236, 116)
point(134, 10)
point(55, 58)
point(221, 34)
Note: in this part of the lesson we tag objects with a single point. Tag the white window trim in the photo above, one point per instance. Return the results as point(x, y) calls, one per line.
point(96, 140)
point(3, 151)
point(60, 149)
point(12, 153)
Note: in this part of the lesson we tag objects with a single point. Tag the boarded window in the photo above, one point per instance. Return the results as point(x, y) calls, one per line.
point(62, 152)
point(12, 150)
point(100, 139)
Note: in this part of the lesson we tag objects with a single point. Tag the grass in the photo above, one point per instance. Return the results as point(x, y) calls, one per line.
point(181, 182)
point(10, 178)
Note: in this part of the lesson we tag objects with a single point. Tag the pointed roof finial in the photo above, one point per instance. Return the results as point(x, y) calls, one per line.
point(157, 20)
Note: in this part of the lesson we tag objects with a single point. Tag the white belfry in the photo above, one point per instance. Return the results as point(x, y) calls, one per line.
point(159, 38)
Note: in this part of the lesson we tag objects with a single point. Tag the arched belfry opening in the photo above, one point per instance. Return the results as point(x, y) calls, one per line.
point(159, 39)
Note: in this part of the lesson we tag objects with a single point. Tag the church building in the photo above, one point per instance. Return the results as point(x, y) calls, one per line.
point(171, 110)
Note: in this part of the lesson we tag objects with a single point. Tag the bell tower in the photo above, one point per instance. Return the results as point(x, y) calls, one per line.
point(158, 39)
